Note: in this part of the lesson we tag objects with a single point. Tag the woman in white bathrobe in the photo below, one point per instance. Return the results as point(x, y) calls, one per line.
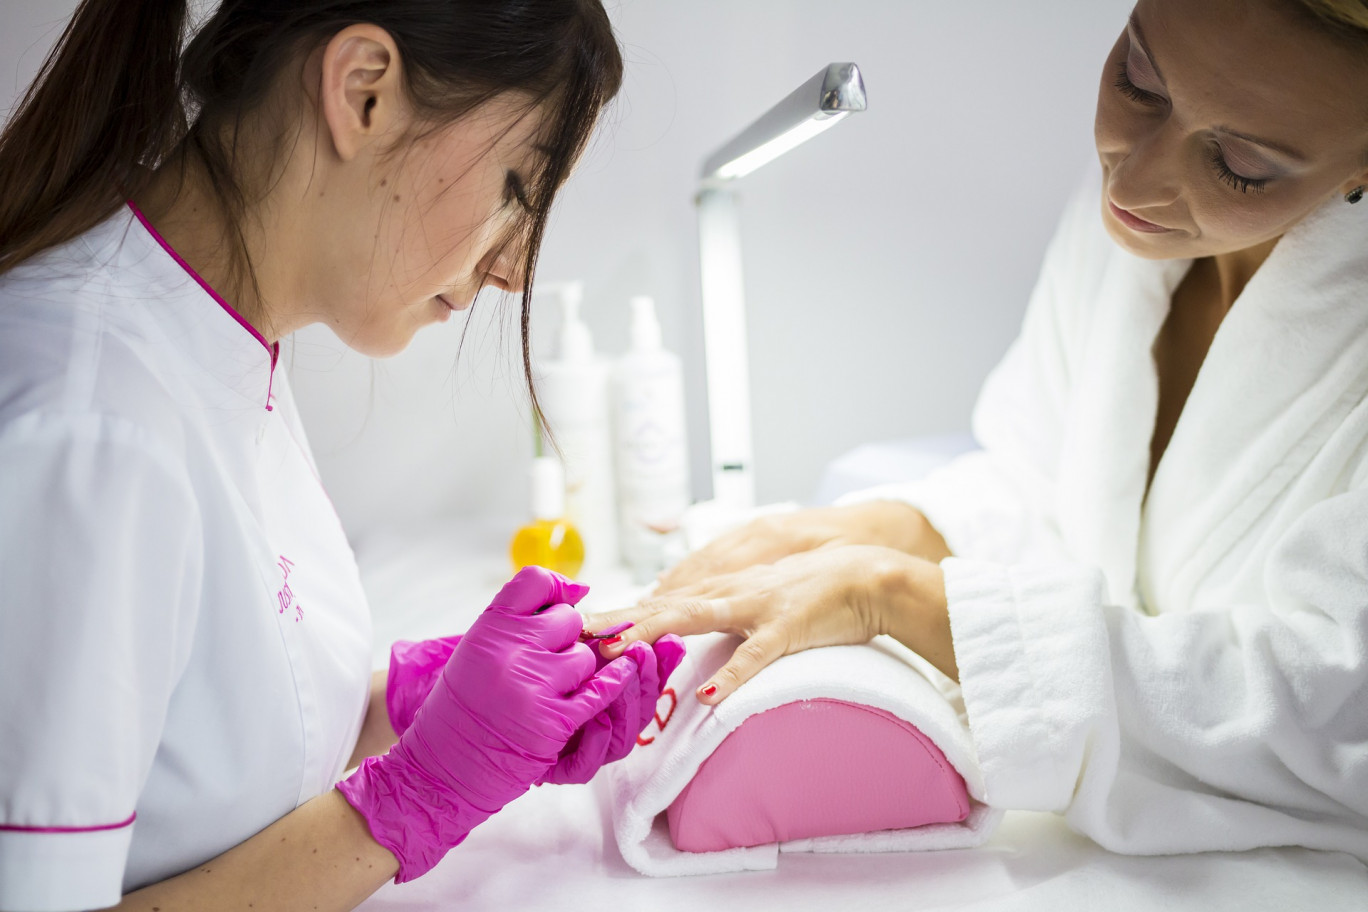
point(1152, 581)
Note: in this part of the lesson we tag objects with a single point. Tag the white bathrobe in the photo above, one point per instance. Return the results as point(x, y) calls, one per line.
point(1186, 671)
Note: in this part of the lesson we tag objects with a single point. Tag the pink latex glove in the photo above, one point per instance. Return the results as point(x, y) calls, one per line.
point(413, 670)
point(415, 666)
point(612, 734)
point(516, 688)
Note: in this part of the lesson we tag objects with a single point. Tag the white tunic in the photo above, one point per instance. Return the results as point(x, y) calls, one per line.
point(1227, 708)
point(184, 643)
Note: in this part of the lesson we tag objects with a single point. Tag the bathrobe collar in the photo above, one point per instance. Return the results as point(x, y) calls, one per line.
point(1288, 362)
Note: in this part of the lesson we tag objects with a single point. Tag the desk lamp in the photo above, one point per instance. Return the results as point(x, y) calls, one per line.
point(825, 99)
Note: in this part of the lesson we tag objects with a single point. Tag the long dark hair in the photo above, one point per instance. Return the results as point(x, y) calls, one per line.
point(117, 97)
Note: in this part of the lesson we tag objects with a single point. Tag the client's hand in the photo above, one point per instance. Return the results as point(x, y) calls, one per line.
point(826, 597)
point(771, 538)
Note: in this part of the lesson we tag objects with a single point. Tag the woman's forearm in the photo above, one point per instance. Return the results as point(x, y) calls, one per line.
point(320, 856)
point(377, 735)
point(915, 610)
point(898, 525)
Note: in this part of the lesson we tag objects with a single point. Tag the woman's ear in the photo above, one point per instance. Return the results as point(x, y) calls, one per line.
point(361, 93)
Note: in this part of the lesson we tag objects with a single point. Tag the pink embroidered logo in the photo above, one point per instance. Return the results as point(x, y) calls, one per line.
point(668, 694)
point(286, 596)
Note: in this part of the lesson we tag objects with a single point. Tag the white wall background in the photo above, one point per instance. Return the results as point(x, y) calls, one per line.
point(887, 261)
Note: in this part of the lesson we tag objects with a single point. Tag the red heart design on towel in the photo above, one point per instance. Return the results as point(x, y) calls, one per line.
point(661, 723)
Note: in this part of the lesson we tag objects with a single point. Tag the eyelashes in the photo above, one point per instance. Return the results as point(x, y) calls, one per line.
point(1237, 181)
point(1217, 160)
point(1132, 91)
point(517, 192)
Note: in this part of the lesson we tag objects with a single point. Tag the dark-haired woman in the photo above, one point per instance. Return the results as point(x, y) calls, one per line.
point(184, 657)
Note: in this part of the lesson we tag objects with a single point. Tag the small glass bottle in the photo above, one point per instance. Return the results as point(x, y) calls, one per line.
point(550, 540)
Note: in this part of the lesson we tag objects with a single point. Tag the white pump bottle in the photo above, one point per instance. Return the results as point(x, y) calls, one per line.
point(652, 451)
point(573, 391)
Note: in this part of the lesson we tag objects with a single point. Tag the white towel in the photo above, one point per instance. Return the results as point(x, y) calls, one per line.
point(883, 674)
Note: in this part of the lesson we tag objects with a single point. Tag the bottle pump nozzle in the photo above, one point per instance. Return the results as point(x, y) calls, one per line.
point(576, 343)
point(645, 324)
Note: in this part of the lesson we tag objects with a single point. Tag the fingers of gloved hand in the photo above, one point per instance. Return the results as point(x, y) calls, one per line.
point(600, 690)
point(558, 627)
point(563, 672)
point(552, 628)
point(401, 701)
point(584, 755)
point(624, 718)
point(647, 693)
point(413, 669)
point(669, 651)
point(447, 643)
point(760, 649)
point(571, 592)
point(533, 588)
point(408, 658)
point(505, 666)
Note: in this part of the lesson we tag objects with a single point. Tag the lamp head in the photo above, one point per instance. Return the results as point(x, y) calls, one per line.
point(818, 104)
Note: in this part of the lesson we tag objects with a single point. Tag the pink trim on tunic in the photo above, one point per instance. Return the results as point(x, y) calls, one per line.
point(273, 350)
point(8, 828)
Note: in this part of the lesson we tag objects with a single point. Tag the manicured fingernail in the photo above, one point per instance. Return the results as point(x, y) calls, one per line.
point(709, 690)
point(609, 641)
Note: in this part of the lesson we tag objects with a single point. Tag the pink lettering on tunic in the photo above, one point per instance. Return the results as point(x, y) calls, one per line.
point(285, 597)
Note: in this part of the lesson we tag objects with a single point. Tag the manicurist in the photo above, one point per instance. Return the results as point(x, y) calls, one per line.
point(184, 642)
point(1151, 581)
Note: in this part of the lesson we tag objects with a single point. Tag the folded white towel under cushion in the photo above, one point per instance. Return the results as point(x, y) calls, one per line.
point(882, 674)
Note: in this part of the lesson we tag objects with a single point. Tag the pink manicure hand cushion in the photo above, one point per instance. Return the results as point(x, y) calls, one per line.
point(516, 688)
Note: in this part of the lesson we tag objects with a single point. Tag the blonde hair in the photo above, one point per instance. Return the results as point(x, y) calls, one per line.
point(1347, 18)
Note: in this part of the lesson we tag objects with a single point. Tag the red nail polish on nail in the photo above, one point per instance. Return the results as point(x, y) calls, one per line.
point(710, 690)
point(611, 640)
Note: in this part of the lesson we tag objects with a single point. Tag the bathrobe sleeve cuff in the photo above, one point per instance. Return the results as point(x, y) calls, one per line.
point(1031, 646)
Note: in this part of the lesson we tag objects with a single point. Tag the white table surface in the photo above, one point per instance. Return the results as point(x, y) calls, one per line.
point(554, 847)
